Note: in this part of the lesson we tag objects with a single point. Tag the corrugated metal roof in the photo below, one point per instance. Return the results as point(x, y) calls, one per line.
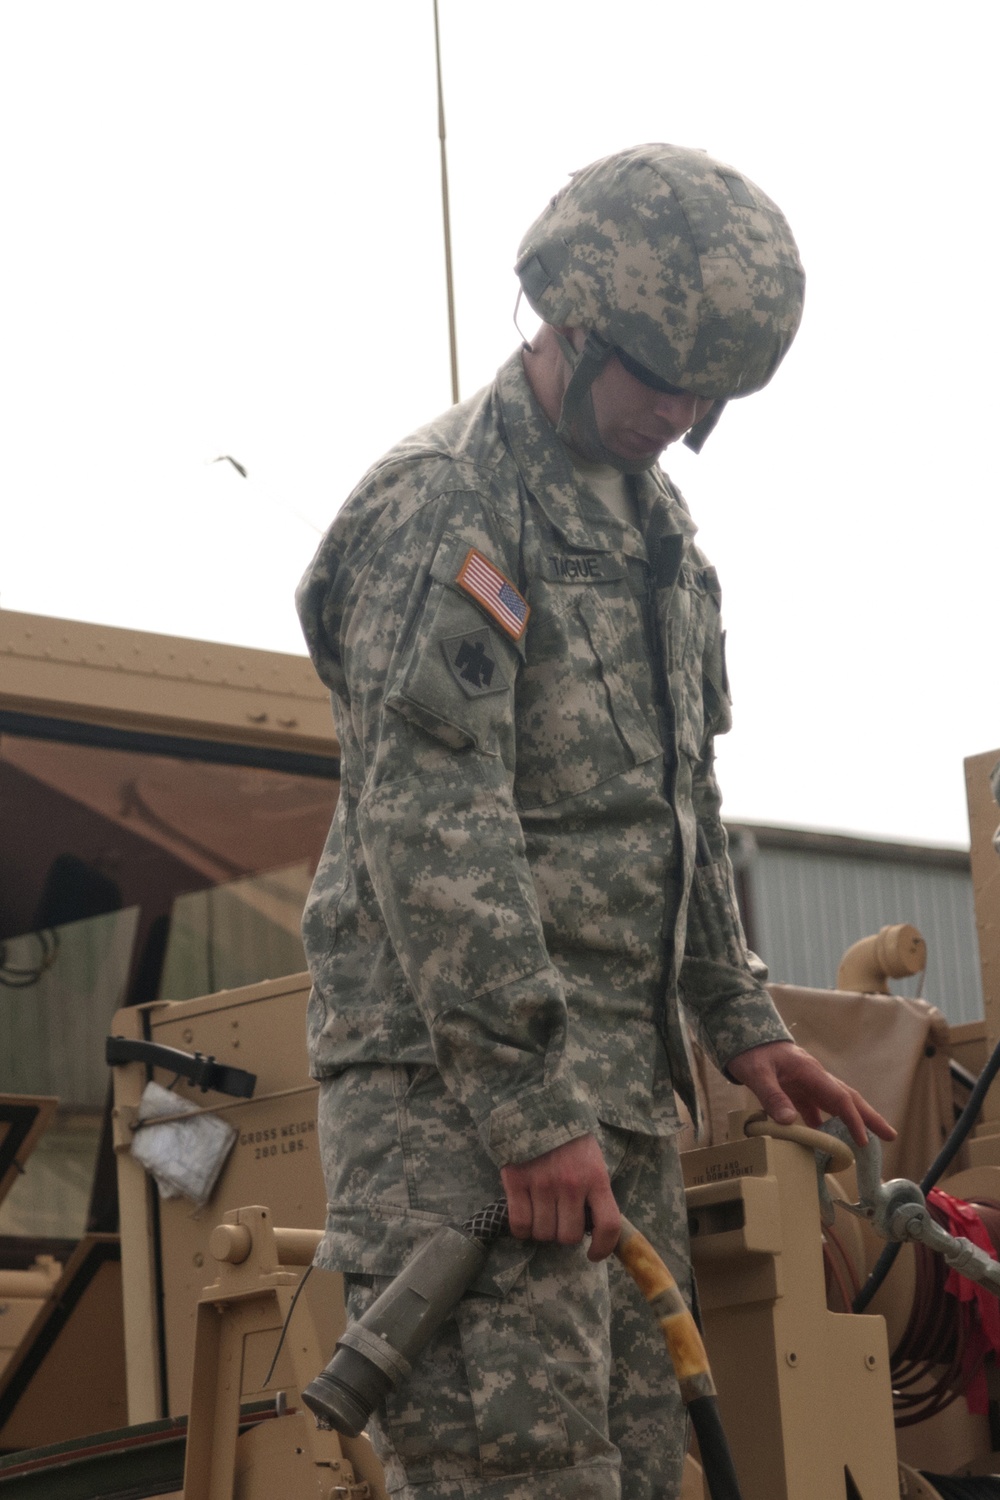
point(807, 908)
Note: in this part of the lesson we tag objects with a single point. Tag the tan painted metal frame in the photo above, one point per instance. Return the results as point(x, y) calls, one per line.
point(289, 1455)
point(804, 1392)
point(132, 679)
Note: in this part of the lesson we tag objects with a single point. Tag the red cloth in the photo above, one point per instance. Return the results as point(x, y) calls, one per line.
point(981, 1320)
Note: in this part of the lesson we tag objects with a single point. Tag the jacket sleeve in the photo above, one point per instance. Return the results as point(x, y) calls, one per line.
point(729, 1008)
point(429, 679)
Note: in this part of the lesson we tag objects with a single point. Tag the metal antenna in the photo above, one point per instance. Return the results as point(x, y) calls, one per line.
point(452, 343)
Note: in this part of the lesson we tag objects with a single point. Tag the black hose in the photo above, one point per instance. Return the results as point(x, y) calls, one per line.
point(944, 1158)
point(966, 1487)
point(489, 1223)
point(716, 1459)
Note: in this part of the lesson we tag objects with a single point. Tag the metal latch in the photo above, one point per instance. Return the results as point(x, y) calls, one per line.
point(897, 1210)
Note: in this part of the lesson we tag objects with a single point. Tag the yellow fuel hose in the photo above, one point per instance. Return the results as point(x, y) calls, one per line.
point(687, 1353)
point(684, 1342)
point(355, 1380)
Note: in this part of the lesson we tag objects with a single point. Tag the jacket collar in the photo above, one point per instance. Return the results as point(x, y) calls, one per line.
point(545, 468)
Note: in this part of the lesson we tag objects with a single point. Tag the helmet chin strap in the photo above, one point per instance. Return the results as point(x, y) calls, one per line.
point(577, 425)
point(701, 431)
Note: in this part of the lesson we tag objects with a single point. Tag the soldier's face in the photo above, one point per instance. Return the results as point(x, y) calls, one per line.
point(637, 421)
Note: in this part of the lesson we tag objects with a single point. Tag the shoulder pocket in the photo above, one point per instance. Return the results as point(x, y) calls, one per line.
point(455, 679)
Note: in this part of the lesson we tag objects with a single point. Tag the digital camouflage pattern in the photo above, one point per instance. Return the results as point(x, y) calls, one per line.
point(527, 866)
point(510, 1400)
point(674, 257)
point(526, 895)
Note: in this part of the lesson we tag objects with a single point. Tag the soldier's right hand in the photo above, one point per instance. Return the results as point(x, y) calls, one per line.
point(548, 1197)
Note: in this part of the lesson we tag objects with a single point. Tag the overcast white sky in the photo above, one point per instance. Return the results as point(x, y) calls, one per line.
point(223, 235)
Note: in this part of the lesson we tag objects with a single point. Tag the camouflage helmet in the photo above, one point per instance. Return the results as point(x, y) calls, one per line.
point(674, 258)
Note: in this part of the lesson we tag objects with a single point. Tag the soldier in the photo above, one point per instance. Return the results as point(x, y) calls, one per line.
point(526, 899)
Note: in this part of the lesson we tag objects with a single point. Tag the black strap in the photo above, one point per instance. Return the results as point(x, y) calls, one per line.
point(198, 1069)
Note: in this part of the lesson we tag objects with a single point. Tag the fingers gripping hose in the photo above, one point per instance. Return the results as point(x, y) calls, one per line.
point(374, 1354)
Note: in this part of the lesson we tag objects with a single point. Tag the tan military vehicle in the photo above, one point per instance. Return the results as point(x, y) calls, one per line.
point(163, 803)
point(162, 806)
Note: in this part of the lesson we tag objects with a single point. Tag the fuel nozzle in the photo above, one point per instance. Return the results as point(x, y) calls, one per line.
point(376, 1353)
point(373, 1355)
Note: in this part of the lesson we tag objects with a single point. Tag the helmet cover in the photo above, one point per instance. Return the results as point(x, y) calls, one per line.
point(675, 258)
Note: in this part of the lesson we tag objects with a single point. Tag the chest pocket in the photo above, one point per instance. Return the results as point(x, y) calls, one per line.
point(584, 709)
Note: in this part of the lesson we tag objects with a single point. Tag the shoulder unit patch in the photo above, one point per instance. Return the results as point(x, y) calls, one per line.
point(497, 595)
point(474, 662)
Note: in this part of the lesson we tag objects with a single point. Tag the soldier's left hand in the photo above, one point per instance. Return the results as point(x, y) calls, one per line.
point(788, 1081)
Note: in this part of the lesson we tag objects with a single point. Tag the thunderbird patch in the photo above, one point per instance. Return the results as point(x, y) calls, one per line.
point(475, 663)
point(497, 595)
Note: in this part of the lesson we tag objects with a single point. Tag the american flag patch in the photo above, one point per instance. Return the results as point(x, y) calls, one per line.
point(498, 596)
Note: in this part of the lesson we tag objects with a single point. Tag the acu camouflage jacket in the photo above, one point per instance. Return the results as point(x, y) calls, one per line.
point(527, 867)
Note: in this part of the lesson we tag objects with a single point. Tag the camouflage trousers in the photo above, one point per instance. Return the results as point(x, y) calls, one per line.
point(559, 1389)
